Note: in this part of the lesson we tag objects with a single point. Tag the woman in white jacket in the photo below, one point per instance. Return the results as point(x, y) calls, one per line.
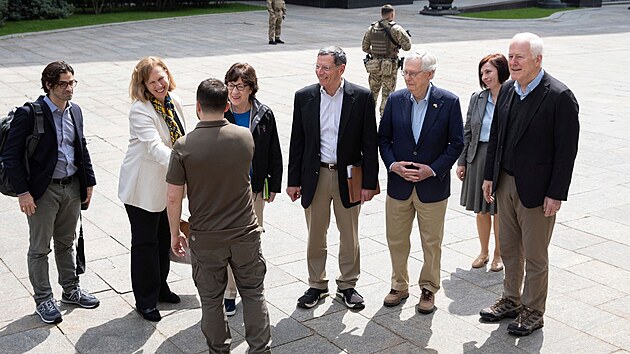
point(156, 121)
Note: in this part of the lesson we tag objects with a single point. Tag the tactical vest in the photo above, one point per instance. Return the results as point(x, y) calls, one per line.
point(382, 46)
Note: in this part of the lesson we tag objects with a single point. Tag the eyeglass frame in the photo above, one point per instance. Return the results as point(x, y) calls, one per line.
point(410, 74)
point(64, 84)
point(325, 68)
point(236, 86)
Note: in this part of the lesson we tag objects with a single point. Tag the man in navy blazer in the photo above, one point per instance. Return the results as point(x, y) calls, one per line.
point(531, 152)
point(334, 126)
point(59, 181)
point(420, 138)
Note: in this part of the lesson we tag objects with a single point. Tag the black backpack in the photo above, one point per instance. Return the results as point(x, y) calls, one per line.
point(31, 142)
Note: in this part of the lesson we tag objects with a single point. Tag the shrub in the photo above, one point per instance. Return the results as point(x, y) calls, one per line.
point(38, 9)
point(4, 11)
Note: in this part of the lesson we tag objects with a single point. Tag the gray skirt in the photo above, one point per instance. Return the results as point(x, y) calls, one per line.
point(472, 195)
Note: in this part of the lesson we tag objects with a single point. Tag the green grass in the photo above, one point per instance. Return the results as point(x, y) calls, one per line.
point(79, 20)
point(516, 14)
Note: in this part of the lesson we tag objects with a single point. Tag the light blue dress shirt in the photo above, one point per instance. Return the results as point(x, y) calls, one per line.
point(486, 123)
point(530, 87)
point(64, 128)
point(418, 111)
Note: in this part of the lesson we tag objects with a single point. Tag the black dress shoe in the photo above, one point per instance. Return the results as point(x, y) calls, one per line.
point(279, 41)
point(151, 314)
point(272, 42)
point(171, 298)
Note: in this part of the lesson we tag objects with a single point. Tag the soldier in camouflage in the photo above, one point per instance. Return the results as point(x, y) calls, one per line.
point(382, 41)
point(277, 12)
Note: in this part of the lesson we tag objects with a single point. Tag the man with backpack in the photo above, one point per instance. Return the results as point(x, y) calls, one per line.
point(52, 187)
point(381, 42)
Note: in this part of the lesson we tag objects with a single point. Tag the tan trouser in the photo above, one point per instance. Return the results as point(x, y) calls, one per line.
point(259, 205)
point(317, 222)
point(399, 215)
point(524, 238)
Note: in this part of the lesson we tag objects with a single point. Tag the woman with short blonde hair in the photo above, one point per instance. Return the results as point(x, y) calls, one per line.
point(156, 121)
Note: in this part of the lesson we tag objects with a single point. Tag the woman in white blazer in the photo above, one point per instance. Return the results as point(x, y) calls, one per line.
point(493, 71)
point(156, 121)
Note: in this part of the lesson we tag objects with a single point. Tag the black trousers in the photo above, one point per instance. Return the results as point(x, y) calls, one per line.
point(150, 263)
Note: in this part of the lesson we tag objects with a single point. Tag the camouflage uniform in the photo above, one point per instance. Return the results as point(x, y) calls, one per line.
point(384, 52)
point(277, 10)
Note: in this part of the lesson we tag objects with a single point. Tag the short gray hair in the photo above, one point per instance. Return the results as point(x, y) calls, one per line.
point(428, 60)
point(337, 53)
point(535, 43)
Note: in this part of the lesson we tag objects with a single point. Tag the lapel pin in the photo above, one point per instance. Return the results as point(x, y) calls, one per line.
point(435, 105)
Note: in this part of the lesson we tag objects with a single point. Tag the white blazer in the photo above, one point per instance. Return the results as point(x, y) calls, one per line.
point(143, 171)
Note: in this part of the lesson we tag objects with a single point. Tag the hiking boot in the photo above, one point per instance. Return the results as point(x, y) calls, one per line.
point(48, 311)
point(351, 298)
point(230, 307)
point(395, 297)
point(80, 297)
point(502, 308)
point(311, 297)
point(427, 302)
point(279, 41)
point(527, 321)
point(272, 42)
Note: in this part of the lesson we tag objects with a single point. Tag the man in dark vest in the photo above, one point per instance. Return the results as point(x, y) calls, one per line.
point(381, 42)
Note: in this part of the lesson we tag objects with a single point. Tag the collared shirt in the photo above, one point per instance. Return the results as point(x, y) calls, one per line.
point(486, 123)
point(530, 87)
point(329, 117)
point(64, 128)
point(418, 111)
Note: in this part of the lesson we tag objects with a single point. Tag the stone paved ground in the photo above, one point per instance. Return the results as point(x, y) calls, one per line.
point(589, 295)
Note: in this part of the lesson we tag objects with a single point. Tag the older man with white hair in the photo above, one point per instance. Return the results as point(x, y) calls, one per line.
point(531, 152)
point(420, 138)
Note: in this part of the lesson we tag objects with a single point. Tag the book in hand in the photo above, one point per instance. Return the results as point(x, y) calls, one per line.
point(355, 183)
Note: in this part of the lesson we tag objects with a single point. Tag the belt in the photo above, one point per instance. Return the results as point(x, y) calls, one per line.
point(62, 181)
point(330, 166)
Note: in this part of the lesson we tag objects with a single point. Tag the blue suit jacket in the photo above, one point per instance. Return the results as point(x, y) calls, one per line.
point(439, 146)
point(42, 163)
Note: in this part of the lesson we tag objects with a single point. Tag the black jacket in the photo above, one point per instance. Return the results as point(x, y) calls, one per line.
point(357, 141)
point(546, 146)
point(42, 163)
point(267, 161)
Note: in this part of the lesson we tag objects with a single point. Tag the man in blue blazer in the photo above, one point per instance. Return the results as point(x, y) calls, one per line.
point(334, 126)
point(531, 152)
point(51, 195)
point(420, 138)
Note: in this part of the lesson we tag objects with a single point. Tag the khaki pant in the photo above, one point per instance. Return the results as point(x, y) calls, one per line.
point(317, 222)
point(399, 215)
point(524, 240)
point(259, 206)
point(210, 276)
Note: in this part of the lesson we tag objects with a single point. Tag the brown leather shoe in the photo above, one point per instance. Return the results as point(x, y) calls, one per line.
point(496, 265)
point(480, 261)
point(427, 302)
point(395, 297)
